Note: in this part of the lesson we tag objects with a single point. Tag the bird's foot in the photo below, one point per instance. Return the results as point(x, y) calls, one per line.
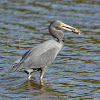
point(41, 81)
point(29, 77)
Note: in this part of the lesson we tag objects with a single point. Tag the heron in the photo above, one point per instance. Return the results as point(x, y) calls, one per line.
point(42, 55)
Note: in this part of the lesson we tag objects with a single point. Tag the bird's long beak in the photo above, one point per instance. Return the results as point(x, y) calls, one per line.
point(69, 28)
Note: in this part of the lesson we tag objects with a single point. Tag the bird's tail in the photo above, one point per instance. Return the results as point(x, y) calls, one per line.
point(13, 68)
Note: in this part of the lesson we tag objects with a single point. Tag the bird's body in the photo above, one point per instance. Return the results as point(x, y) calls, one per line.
point(39, 57)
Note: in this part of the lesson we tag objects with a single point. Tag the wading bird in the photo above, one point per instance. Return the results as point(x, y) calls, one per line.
point(39, 57)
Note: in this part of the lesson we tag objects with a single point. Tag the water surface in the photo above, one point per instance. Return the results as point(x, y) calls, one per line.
point(75, 74)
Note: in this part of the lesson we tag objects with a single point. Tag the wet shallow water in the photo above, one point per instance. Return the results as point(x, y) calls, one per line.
point(75, 74)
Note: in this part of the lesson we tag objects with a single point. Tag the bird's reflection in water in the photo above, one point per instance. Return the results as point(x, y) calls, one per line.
point(33, 88)
point(34, 84)
point(37, 88)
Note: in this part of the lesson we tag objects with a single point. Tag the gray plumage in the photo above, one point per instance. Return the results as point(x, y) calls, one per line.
point(39, 57)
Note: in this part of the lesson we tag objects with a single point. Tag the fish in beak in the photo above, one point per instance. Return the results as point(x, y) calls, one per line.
point(69, 28)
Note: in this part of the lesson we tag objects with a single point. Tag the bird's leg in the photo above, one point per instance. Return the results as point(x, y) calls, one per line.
point(29, 77)
point(42, 72)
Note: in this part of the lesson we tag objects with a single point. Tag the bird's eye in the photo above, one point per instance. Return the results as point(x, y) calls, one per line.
point(58, 24)
point(58, 28)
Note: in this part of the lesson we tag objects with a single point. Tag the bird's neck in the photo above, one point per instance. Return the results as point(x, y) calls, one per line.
point(61, 41)
point(57, 34)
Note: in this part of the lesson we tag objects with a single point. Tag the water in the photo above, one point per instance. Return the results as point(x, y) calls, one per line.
point(75, 74)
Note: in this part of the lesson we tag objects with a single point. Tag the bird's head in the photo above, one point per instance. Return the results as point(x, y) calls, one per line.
point(59, 24)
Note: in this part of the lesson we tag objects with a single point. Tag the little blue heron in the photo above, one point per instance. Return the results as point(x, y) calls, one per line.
point(39, 57)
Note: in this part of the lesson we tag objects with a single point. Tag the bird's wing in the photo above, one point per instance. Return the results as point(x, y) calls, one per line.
point(42, 60)
point(37, 57)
